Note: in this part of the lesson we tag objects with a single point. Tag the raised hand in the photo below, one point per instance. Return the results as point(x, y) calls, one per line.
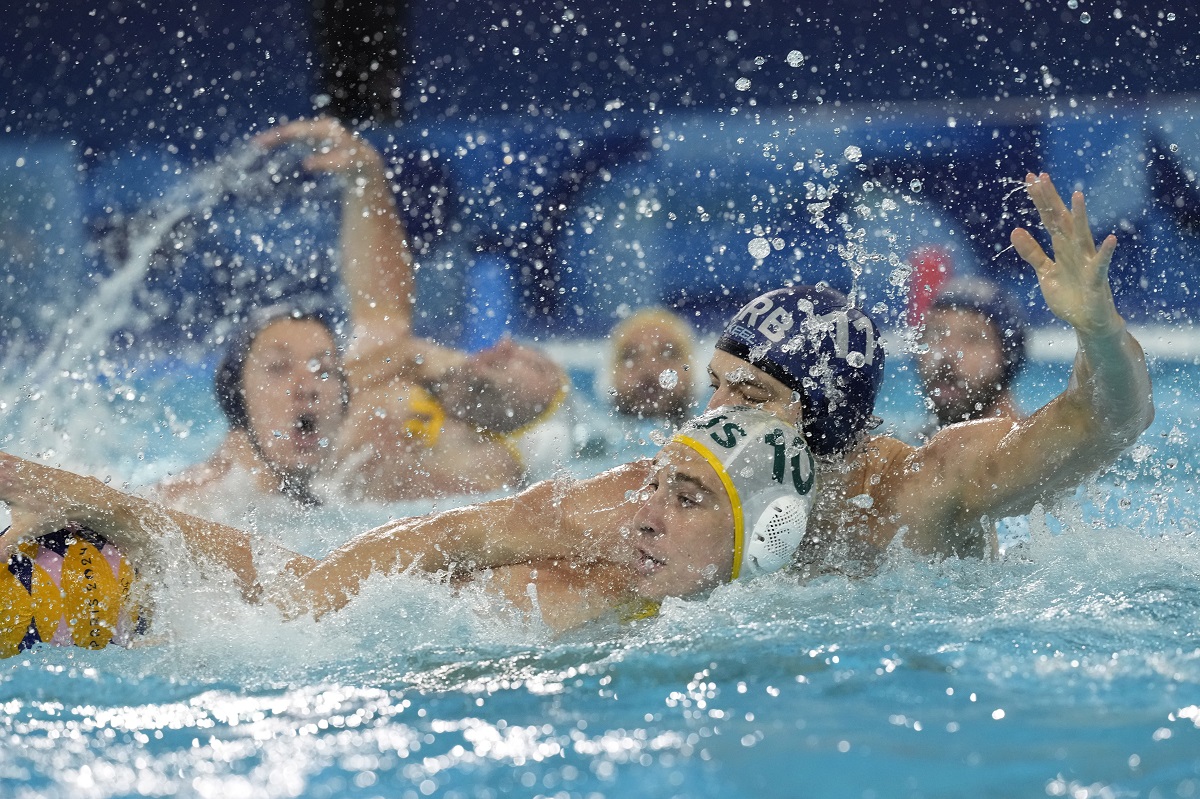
point(1075, 281)
point(335, 148)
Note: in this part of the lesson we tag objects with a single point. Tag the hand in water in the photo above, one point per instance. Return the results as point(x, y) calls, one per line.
point(1074, 282)
point(335, 149)
point(35, 499)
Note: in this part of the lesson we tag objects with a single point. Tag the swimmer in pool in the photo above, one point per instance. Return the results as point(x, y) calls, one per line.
point(800, 353)
point(649, 343)
point(974, 348)
point(728, 498)
point(397, 417)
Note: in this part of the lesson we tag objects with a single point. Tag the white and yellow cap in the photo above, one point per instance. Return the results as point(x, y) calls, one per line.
point(768, 474)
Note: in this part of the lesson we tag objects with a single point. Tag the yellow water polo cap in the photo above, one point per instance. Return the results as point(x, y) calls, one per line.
point(768, 474)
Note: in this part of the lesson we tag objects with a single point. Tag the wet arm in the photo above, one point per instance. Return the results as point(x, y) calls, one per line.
point(43, 499)
point(998, 468)
point(376, 261)
point(576, 521)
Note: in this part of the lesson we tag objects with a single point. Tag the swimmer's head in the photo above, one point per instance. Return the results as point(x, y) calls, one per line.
point(973, 347)
point(998, 308)
point(729, 499)
point(281, 382)
point(811, 343)
point(651, 356)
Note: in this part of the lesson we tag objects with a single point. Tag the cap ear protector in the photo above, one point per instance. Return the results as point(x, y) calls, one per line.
point(229, 379)
point(810, 339)
point(768, 474)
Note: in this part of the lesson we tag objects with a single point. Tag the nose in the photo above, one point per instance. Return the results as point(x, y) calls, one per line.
point(306, 384)
point(720, 396)
point(648, 519)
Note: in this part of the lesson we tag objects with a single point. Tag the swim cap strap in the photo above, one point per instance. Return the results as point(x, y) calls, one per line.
point(739, 522)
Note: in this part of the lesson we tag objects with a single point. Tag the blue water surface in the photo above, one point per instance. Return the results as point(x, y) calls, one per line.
point(1071, 667)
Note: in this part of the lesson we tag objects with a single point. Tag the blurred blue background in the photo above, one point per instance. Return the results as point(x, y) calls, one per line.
point(558, 166)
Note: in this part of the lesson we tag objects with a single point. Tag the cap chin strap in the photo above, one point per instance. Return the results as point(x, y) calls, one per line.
point(739, 522)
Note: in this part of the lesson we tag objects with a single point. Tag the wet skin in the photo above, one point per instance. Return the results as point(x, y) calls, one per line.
point(682, 529)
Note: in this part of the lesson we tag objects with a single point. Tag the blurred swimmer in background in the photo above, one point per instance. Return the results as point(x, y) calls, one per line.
point(394, 417)
point(652, 378)
point(644, 392)
point(974, 348)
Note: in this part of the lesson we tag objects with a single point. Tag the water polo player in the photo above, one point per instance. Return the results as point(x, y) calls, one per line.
point(800, 353)
point(728, 498)
point(415, 420)
point(974, 348)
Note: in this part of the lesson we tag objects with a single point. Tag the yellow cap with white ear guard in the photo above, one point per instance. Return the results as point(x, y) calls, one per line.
point(768, 474)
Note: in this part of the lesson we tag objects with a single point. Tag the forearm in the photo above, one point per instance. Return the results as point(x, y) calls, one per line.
point(497, 533)
point(376, 260)
point(1111, 381)
point(43, 499)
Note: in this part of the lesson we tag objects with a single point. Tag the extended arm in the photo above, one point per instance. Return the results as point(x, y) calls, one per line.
point(579, 520)
point(376, 261)
point(997, 467)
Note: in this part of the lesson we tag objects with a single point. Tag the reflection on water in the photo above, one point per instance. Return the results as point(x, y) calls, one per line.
point(1071, 668)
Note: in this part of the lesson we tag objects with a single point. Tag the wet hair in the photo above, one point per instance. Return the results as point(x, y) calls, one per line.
point(998, 307)
point(229, 380)
point(810, 339)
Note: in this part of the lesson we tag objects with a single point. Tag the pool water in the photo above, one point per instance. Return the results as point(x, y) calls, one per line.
point(1070, 668)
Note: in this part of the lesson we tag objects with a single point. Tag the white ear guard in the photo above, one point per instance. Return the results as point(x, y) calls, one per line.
point(768, 474)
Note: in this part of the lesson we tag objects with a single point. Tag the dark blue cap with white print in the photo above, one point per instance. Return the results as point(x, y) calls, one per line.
point(810, 339)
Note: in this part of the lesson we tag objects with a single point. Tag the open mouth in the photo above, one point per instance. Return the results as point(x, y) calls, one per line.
point(646, 564)
point(305, 430)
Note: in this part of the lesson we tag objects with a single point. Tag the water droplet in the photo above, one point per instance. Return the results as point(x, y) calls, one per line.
point(915, 185)
point(856, 359)
point(742, 84)
point(658, 437)
point(759, 61)
point(1174, 148)
point(795, 58)
point(853, 154)
point(1085, 17)
point(760, 248)
point(1072, 4)
point(1170, 16)
point(668, 378)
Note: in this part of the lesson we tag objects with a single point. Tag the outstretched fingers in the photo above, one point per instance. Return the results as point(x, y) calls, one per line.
point(1030, 251)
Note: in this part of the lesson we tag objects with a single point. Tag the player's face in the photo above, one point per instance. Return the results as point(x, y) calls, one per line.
point(962, 366)
point(293, 394)
point(735, 382)
point(650, 373)
point(683, 529)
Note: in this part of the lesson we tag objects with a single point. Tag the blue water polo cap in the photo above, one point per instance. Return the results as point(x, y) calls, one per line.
point(810, 339)
point(229, 380)
point(998, 306)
